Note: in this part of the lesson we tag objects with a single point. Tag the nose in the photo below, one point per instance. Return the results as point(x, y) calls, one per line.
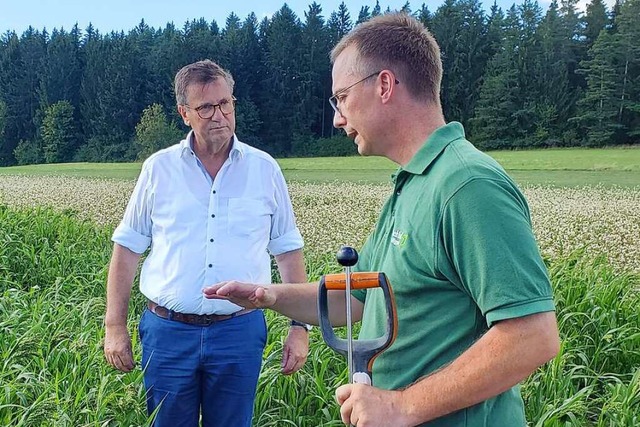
point(338, 120)
point(217, 114)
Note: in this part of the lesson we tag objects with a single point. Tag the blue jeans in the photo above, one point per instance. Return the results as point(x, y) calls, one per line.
point(211, 371)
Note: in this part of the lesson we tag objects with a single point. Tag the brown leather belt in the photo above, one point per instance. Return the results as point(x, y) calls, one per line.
point(193, 319)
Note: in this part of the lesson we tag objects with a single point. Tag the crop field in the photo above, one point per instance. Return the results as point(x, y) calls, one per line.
point(606, 167)
point(54, 250)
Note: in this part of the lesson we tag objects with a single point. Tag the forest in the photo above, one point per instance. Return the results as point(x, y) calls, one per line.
point(517, 78)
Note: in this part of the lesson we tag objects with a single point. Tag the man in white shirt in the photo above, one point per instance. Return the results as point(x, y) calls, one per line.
point(211, 208)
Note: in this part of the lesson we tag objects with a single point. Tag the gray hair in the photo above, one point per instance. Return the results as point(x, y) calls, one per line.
point(201, 72)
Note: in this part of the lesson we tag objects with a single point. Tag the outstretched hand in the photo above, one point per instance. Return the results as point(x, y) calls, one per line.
point(243, 294)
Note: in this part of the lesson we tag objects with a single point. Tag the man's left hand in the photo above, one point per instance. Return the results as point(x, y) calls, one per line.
point(295, 351)
point(366, 406)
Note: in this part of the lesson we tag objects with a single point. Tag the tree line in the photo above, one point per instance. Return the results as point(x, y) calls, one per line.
point(516, 78)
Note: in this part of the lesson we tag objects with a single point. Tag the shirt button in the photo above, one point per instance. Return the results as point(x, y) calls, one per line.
point(211, 240)
point(398, 192)
point(210, 265)
point(213, 215)
point(214, 191)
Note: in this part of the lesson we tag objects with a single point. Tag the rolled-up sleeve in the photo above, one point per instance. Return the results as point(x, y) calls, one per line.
point(134, 231)
point(285, 235)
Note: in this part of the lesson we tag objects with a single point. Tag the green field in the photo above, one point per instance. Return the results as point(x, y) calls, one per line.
point(55, 229)
point(554, 167)
point(52, 287)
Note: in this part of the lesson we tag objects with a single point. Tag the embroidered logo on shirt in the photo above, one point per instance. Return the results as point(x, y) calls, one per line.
point(399, 238)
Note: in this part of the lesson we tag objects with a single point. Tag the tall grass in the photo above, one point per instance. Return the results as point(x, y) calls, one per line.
point(52, 286)
point(595, 380)
point(52, 275)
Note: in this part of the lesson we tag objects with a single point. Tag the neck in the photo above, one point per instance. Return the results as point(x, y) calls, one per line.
point(212, 156)
point(412, 129)
point(211, 151)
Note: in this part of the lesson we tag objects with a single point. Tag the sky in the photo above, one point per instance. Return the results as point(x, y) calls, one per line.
point(108, 15)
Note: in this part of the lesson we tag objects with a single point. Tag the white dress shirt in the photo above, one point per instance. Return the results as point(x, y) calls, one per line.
point(203, 230)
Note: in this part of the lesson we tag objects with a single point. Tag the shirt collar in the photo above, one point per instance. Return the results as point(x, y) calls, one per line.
point(238, 148)
point(431, 149)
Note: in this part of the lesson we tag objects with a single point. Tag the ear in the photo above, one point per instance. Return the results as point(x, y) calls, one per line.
point(183, 113)
point(387, 85)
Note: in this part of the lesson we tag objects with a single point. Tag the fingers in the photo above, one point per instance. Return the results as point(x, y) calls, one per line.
point(126, 362)
point(117, 349)
point(346, 407)
point(288, 364)
point(243, 294)
point(292, 361)
point(122, 362)
point(293, 366)
point(342, 393)
point(211, 292)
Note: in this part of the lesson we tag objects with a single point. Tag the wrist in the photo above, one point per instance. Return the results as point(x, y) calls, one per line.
point(295, 323)
point(115, 323)
point(403, 409)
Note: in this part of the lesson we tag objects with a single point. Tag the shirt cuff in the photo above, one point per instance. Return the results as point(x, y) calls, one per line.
point(130, 239)
point(520, 310)
point(286, 243)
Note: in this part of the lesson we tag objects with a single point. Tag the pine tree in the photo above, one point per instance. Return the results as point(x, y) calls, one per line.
point(494, 125)
point(495, 30)
point(10, 63)
point(280, 108)
point(424, 16)
point(460, 28)
point(554, 98)
point(598, 109)
point(406, 8)
point(628, 41)
point(203, 41)
point(594, 21)
point(364, 15)
point(340, 23)
point(376, 9)
point(315, 73)
point(167, 56)
point(58, 132)
point(3, 118)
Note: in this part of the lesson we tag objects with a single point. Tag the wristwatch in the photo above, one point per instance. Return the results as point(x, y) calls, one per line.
point(301, 324)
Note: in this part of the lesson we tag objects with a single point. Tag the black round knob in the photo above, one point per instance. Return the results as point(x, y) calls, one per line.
point(347, 256)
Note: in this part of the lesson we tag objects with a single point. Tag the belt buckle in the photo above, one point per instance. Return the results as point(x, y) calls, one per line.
point(209, 319)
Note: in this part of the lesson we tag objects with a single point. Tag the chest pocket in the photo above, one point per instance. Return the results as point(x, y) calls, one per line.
point(248, 217)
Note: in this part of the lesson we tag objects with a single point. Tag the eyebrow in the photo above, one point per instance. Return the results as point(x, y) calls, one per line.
point(209, 104)
point(339, 91)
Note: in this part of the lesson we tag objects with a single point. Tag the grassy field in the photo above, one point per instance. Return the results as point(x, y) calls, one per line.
point(554, 167)
point(55, 228)
point(52, 286)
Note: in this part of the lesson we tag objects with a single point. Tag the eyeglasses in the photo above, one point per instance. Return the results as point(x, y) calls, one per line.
point(206, 111)
point(336, 98)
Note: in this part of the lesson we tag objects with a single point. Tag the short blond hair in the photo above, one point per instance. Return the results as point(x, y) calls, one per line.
point(400, 43)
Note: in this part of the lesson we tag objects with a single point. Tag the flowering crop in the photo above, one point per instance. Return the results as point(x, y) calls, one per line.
point(600, 221)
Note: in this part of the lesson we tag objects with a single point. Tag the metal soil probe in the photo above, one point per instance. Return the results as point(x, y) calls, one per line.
point(360, 354)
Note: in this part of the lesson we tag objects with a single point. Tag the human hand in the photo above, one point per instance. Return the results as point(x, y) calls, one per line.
point(243, 294)
point(362, 405)
point(117, 348)
point(295, 350)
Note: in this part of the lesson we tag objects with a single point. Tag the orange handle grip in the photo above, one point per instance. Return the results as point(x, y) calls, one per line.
point(338, 281)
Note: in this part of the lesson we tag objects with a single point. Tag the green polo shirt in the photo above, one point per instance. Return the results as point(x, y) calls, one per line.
point(455, 241)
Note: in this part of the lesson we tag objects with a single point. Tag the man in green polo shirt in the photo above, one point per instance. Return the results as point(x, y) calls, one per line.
point(474, 303)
